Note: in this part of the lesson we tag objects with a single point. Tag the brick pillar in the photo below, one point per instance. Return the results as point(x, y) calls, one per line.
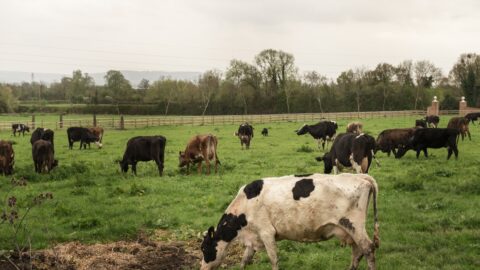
point(462, 107)
point(434, 108)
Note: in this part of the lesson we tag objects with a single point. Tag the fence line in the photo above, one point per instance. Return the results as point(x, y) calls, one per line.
point(141, 122)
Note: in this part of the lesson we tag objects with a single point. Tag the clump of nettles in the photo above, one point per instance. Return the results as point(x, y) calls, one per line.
point(11, 216)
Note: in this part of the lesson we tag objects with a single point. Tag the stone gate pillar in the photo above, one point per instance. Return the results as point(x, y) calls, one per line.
point(462, 107)
point(434, 108)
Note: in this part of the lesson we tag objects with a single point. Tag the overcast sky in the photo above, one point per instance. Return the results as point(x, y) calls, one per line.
point(327, 36)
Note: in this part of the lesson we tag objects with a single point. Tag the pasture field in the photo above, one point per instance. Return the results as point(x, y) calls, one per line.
point(428, 208)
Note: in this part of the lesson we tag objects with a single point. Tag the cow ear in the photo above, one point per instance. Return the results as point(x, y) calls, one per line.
point(180, 153)
point(210, 232)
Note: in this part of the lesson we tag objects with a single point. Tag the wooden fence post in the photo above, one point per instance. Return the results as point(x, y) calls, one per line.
point(94, 119)
point(33, 121)
point(60, 123)
point(122, 123)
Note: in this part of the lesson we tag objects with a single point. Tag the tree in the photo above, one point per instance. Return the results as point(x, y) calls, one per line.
point(7, 101)
point(164, 90)
point(80, 86)
point(245, 78)
point(144, 84)
point(466, 74)
point(208, 85)
point(426, 75)
point(118, 87)
point(383, 75)
point(316, 83)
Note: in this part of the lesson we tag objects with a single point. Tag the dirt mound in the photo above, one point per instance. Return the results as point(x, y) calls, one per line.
point(143, 254)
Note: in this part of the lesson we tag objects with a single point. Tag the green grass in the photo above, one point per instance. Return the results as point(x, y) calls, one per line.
point(428, 209)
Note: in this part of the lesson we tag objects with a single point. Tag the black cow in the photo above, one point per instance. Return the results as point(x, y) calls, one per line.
point(349, 150)
point(432, 120)
point(144, 148)
point(472, 117)
point(265, 131)
point(424, 138)
point(84, 135)
point(322, 131)
point(42, 134)
point(43, 156)
point(245, 134)
point(20, 128)
point(421, 123)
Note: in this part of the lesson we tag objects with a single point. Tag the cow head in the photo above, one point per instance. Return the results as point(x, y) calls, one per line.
point(327, 162)
point(123, 165)
point(421, 123)
point(182, 159)
point(302, 130)
point(213, 250)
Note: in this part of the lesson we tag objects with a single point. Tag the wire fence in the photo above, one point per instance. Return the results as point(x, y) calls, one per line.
point(131, 121)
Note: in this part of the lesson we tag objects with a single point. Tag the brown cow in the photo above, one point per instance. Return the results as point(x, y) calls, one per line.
point(7, 157)
point(460, 124)
point(43, 156)
point(97, 131)
point(199, 148)
point(355, 127)
point(390, 140)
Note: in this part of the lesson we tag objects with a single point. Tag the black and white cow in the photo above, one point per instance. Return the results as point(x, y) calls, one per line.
point(424, 138)
point(349, 150)
point(420, 123)
point(245, 134)
point(432, 120)
point(20, 128)
point(84, 135)
point(303, 208)
point(322, 131)
point(144, 148)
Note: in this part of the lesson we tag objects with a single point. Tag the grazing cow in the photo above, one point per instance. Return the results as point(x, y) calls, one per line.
point(322, 131)
point(43, 156)
point(265, 132)
point(307, 208)
point(20, 128)
point(349, 150)
point(97, 131)
point(7, 157)
point(42, 134)
point(144, 148)
point(472, 117)
point(390, 140)
point(245, 134)
point(355, 127)
point(420, 123)
point(199, 148)
point(424, 138)
point(84, 135)
point(432, 120)
point(460, 124)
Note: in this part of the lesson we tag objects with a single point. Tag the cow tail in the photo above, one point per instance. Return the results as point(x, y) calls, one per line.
point(376, 231)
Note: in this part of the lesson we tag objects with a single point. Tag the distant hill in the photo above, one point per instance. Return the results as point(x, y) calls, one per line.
point(133, 76)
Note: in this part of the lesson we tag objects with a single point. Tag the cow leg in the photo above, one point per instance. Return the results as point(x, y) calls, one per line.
point(469, 136)
point(160, 166)
point(271, 248)
point(207, 163)
point(134, 167)
point(247, 256)
point(450, 152)
point(199, 167)
point(425, 153)
point(357, 255)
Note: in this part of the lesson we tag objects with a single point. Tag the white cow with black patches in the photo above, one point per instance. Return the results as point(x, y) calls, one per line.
point(304, 208)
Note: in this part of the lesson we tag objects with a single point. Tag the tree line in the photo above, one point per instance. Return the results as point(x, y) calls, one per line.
point(271, 83)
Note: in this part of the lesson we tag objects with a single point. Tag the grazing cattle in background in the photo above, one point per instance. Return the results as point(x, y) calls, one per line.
point(421, 123)
point(97, 131)
point(245, 134)
point(20, 128)
point(424, 138)
point(84, 135)
point(355, 127)
point(200, 148)
point(460, 124)
point(265, 132)
point(390, 140)
point(43, 134)
point(432, 120)
point(322, 131)
point(144, 148)
point(7, 157)
point(303, 208)
point(349, 150)
point(43, 156)
point(472, 117)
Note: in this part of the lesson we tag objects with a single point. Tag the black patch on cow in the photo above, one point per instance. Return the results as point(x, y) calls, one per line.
point(209, 247)
point(346, 223)
point(303, 175)
point(253, 189)
point(227, 228)
point(303, 188)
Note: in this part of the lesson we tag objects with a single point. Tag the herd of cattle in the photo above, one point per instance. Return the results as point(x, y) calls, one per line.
point(271, 209)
